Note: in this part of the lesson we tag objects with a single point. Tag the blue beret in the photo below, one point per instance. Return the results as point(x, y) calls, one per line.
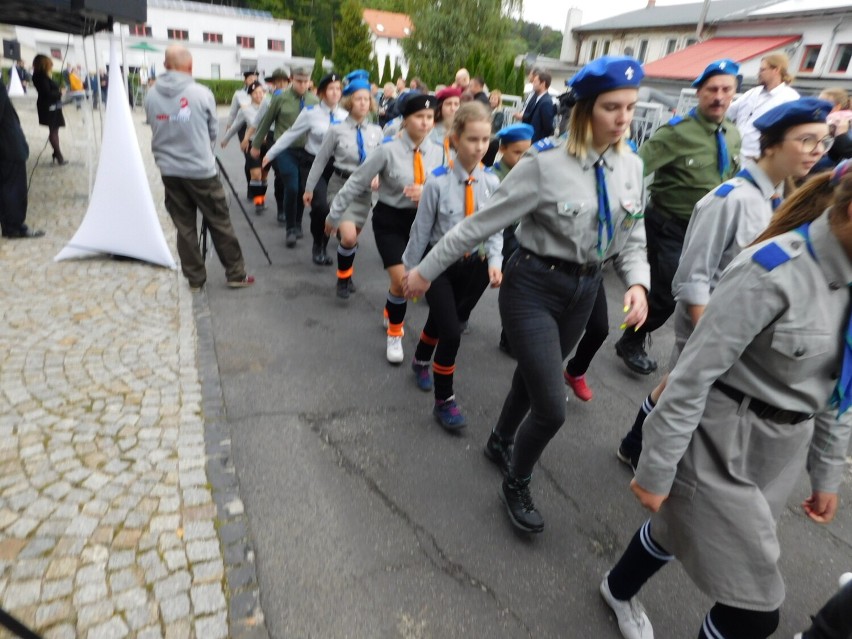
point(515, 133)
point(719, 67)
point(357, 74)
point(801, 111)
point(356, 85)
point(607, 73)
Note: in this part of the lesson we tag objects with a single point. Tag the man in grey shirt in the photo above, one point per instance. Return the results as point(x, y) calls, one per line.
point(184, 124)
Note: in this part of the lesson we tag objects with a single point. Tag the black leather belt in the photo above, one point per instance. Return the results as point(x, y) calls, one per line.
point(563, 266)
point(344, 174)
point(761, 408)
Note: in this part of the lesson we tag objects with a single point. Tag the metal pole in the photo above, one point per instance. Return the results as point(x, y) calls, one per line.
point(242, 208)
point(101, 105)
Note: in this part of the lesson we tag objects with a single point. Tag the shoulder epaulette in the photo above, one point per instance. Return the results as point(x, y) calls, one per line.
point(387, 139)
point(489, 170)
point(545, 144)
point(441, 170)
point(771, 256)
point(723, 190)
point(309, 107)
point(675, 120)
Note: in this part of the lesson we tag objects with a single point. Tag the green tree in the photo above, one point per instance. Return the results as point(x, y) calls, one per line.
point(353, 48)
point(387, 74)
point(318, 72)
point(448, 32)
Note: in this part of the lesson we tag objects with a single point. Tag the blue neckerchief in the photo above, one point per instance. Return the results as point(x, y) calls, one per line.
point(604, 214)
point(301, 103)
point(841, 397)
point(359, 137)
point(277, 91)
point(722, 160)
point(776, 201)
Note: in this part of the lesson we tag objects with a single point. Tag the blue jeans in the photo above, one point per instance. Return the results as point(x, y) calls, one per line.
point(288, 169)
point(544, 313)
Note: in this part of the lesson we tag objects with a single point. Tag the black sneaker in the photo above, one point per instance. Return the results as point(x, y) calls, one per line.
point(515, 493)
point(299, 233)
point(291, 238)
point(499, 452)
point(281, 219)
point(634, 355)
point(343, 289)
point(628, 458)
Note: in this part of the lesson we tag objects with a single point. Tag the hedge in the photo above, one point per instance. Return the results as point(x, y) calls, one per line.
point(223, 90)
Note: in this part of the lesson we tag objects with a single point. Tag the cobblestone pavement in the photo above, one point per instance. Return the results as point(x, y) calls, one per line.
point(108, 523)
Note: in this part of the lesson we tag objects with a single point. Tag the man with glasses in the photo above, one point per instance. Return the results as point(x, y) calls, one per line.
point(773, 89)
point(689, 157)
point(283, 111)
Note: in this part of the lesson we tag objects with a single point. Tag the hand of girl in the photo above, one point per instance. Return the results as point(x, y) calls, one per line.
point(223, 144)
point(308, 197)
point(244, 145)
point(255, 153)
point(648, 500)
point(412, 192)
point(374, 185)
point(495, 276)
point(636, 306)
point(820, 507)
point(413, 285)
point(330, 228)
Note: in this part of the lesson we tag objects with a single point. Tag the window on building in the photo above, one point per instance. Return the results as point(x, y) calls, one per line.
point(809, 57)
point(593, 50)
point(643, 51)
point(842, 58)
point(246, 42)
point(56, 53)
point(213, 37)
point(215, 72)
point(691, 41)
point(671, 45)
point(605, 48)
point(140, 30)
point(275, 45)
point(178, 34)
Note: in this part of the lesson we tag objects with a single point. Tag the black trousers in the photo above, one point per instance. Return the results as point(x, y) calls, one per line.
point(304, 160)
point(13, 196)
point(834, 619)
point(319, 205)
point(665, 243)
point(597, 329)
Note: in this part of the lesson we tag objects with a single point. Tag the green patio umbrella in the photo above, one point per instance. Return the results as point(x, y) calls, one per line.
point(144, 47)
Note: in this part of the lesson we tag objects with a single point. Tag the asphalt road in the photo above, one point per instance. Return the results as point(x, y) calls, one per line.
point(370, 521)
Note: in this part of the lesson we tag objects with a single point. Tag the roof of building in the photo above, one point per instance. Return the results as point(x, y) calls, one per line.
point(203, 7)
point(688, 63)
point(799, 6)
point(679, 14)
point(385, 24)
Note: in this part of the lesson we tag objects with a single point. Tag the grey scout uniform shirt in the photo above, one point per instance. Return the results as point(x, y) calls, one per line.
point(341, 143)
point(240, 100)
point(442, 206)
point(776, 334)
point(555, 197)
point(314, 121)
point(393, 162)
point(724, 222)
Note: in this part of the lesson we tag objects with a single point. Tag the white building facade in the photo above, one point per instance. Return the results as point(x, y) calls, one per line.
point(387, 31)
point(224, 41)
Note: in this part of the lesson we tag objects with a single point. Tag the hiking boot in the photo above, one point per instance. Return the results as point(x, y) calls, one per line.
point(515, 493)
point(291, 238)
point(448, 414)
point(633, 353)
point(499, 452)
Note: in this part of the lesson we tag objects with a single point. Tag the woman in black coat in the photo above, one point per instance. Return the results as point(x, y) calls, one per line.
point(49, 103)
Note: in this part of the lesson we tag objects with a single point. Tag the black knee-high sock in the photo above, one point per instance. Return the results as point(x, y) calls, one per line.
point(345, 260)
point(642, 559)
point(632, 442)
point(425, 347)
point(395, 307)
point(727, 622)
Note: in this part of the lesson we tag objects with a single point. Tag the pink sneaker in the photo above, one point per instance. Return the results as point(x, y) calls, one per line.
point(579, 386)
point(248, 280)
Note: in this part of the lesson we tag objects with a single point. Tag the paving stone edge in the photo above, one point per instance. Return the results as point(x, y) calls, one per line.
point(245, 615)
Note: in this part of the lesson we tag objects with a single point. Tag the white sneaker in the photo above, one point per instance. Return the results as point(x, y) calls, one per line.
point(632, 620)
point(394, 351)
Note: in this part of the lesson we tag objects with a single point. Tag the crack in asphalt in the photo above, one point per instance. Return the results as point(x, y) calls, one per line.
point(426, 541)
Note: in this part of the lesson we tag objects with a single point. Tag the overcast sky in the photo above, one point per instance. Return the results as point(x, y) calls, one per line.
point(552, 13)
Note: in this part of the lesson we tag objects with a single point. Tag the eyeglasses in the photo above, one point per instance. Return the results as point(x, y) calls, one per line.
point(809, 143)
